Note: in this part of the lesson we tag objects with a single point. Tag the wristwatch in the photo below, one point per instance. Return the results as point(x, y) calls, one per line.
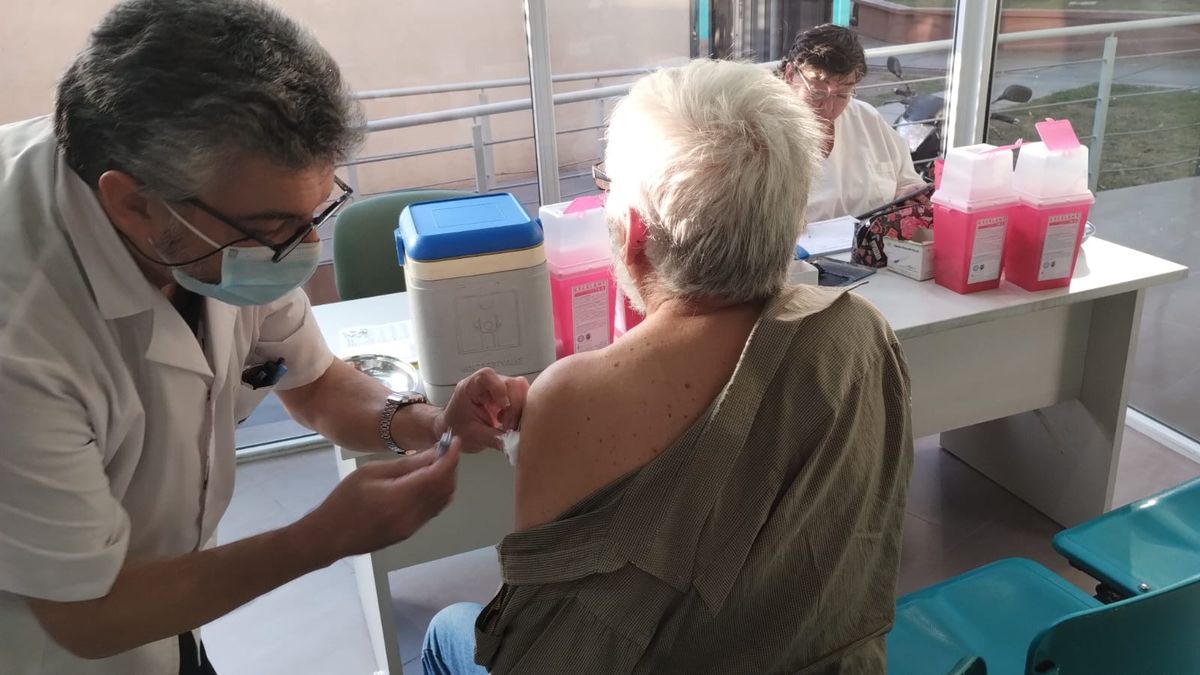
point(396, 401)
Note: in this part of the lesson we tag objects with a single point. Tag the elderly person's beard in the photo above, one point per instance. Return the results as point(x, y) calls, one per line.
point(621, 271)
point(628, 287)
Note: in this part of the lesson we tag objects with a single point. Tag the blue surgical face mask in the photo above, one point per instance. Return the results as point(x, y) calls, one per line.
point(248, 276)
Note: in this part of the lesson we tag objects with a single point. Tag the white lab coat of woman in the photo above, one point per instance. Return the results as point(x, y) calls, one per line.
point(868, 166)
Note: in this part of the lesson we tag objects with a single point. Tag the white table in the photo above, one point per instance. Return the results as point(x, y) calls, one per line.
point(1028, 388)
point(480, 514)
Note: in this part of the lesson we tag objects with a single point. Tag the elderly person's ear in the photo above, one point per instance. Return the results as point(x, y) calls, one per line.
point(635, 237)
point(789, 72)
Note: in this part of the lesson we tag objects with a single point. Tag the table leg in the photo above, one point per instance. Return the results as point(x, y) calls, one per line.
point(480, 514)
point(376, 596)
point(1062, 459)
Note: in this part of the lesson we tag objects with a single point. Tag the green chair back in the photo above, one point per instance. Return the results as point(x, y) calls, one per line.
point(364, 244)
point(1141, 547)
point(1022, 618)
point(1149, 634)
point(969, 665)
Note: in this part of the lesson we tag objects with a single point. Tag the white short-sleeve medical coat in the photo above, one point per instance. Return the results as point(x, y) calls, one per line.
point(868, 167)
point(116, 425)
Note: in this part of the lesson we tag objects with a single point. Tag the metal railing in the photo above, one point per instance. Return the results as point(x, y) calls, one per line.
point(482, 143)
point(484, 85)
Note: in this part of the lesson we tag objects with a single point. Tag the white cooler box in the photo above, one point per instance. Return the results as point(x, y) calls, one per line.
point(478, 288)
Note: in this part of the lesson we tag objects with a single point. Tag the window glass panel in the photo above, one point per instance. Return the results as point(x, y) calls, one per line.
point(1144, 145)
point(598, 45)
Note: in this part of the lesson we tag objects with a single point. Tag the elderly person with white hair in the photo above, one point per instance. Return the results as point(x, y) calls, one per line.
point(722, 489)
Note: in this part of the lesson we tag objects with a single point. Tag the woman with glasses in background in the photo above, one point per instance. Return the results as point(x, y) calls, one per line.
point(867, 164)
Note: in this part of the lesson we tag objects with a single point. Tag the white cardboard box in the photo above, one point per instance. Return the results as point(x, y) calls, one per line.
point(803, 272)
point(913, 259)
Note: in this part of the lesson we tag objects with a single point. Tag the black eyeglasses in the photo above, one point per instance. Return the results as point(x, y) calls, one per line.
point(603, 182)
point(290, 244)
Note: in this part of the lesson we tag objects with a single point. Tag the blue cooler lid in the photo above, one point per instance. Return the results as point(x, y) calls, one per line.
point(465, 226)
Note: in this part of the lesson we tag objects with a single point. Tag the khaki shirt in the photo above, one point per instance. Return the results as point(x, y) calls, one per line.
point(766, 539)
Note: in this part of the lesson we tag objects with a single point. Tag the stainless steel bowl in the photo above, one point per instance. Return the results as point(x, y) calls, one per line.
point(394, 373)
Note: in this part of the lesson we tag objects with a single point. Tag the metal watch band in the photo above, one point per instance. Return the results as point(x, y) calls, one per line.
point(396, 401)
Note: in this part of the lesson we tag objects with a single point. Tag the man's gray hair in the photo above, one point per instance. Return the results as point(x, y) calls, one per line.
point(716, 157)
point(170, 90)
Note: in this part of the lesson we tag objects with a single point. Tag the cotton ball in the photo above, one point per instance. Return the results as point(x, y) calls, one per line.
point(511, 440)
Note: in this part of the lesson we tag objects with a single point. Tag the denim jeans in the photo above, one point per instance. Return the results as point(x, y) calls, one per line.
point(449, 647)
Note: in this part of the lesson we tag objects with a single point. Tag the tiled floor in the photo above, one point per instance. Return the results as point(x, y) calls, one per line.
point(956, 520)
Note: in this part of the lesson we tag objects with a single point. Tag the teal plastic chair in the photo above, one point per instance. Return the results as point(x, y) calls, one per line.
point(364, 244)
point(971, 665)
point(1150, 634)
point(1143, 546)
point(993, 613)
point(1021, 618)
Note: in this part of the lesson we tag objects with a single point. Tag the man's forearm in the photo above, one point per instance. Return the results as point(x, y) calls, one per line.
point(152, 600)
point(345, 406)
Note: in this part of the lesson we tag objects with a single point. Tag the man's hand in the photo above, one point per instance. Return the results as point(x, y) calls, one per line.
point(383, 502)
point(482, 407)
point(379, 504)
point(345, 405)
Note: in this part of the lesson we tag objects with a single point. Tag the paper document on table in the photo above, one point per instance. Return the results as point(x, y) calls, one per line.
point(393, 339)
point(826, 237)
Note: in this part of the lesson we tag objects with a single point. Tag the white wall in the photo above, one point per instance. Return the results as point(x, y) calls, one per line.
point(385, 44)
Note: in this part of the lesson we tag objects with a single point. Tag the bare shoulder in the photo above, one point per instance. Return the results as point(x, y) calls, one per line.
point(551, 437)
point(556, 391)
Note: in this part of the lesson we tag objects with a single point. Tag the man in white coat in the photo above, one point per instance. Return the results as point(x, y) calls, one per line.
point(155, 234)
